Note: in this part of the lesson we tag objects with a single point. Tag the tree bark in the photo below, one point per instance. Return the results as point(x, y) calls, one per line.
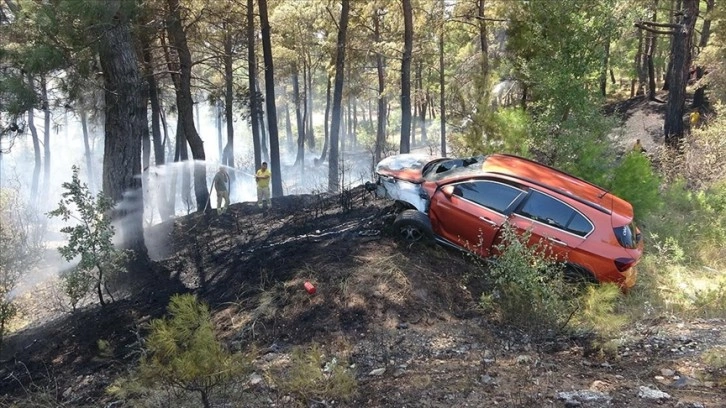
point(299, 119)
point(270, 102)
point(699, 95)
point(442, 80)
point(185, 104)
point(126, 122)
point(252, 83)
point(673, 128)
point(324, 153)
point(36, 149)
point(153, 92)
point(382, 102)
point(333, 177)
point(406, 77)
point(228, 154)
point(46, 136)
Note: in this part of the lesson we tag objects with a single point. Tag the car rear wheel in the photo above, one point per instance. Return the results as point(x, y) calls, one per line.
point(578, 275)
point(413, 226)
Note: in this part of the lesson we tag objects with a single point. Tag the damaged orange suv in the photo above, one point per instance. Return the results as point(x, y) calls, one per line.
point(465, 202)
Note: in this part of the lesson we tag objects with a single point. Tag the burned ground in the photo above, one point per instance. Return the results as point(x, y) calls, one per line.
point(404, 316)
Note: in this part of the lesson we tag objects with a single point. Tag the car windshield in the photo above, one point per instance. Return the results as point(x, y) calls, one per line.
point(442, 168)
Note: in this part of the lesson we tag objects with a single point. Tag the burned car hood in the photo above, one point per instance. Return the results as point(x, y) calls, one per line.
point(407, 167)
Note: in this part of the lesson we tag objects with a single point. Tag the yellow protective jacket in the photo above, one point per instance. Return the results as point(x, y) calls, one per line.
point(264, 176)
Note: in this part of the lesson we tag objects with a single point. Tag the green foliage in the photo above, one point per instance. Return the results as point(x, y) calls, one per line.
point(635, 181)
point(528, 287)
point(183, 353)
point(715, 357)
point(313, 375)
point(598, 313)
point(91, 239)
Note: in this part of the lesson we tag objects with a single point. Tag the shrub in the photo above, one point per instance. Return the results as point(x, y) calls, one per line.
point(635, 181)
point(91, 239)
point(598, 313)
point(182, 352)
point(313, 375)
point(528, 287)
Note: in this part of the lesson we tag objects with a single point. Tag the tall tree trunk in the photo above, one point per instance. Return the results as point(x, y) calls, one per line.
point(442, 80)
point(288, 126)
point(699, 95)
point(682, 42)
point(262, 127)
point(649, 57)
point(153, 92)
point(604, 68)
point(126, 122)
point(270, 101)
point(309, 103)
point(252, 83)
point(382, 101)
point(675, 5)
point(228, 155)
point(640, 65)
point(36, 149)
point(87, 149)
point(406, 77)
point(46, 136)
point(324, 153)
point(185, 104)
point(333, 177)
point(299, 118)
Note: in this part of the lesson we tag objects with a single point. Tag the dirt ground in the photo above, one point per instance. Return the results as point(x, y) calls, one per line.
point(405, 318)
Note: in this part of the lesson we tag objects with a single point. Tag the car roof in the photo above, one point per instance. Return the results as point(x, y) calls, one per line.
point(558, 181)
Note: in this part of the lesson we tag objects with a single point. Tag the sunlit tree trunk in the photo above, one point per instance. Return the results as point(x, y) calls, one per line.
point(382, 101)
point(270, 101)
point(406, 77)
point(333, 177)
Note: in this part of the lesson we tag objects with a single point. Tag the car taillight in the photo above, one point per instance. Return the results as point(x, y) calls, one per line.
point(623, 264)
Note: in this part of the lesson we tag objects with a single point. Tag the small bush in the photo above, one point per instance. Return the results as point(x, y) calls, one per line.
point(528, 287)
point(91, 240)
point(635, 181)
point(598, 313)
point(313, 375)
point(182, 352)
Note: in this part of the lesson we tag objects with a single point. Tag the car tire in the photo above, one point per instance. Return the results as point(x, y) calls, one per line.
point(413, 226)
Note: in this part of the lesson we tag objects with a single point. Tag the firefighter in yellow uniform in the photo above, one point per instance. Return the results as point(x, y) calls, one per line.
point(262, 177)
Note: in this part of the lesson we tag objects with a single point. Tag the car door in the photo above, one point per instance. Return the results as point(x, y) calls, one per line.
point(552, 222)
point(470, 213)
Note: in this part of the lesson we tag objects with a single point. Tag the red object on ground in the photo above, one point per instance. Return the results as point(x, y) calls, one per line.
point(310, 288)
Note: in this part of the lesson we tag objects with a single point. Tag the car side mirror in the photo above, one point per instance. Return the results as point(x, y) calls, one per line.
point(448, 191)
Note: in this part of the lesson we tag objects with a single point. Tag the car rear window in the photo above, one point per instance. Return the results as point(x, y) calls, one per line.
point(548, 210)
point(627, 235)
point(490, 194)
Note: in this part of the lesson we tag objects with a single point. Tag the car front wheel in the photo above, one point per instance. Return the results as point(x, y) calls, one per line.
point(413, 226)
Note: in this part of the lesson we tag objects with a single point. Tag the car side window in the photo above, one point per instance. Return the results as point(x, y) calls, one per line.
point(547, 210)
point(491, 194)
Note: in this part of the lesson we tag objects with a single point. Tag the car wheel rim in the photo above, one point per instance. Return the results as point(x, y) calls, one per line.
point(410, 233)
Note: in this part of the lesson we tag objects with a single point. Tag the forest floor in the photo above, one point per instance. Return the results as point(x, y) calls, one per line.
point(405, 318)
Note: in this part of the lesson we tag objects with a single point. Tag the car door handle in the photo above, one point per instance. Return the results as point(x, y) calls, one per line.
point(557, 241)
point(488, 221)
